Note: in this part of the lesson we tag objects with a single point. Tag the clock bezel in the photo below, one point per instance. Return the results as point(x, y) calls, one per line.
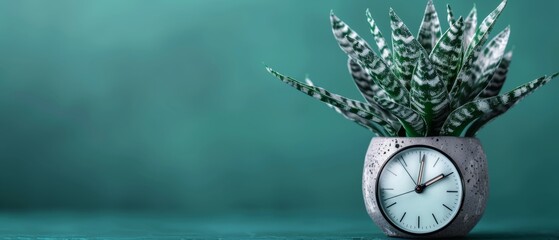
point(382, 209)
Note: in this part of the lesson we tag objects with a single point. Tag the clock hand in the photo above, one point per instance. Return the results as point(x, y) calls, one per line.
point(436, 179)
point(421, 166)
point(433, 180)
point(421, 187)
point(399, 195)
point(400, 161)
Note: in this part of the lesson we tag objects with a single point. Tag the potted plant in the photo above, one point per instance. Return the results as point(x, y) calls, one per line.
point(425, 175)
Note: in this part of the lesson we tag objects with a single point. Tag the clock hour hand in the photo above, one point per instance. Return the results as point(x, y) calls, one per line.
point(434, 180)
point(439, 177)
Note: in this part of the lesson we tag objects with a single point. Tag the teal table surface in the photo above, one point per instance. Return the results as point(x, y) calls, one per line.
point(54, 225)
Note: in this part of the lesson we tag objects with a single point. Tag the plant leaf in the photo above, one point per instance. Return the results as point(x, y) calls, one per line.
point(354, 46)
point(363, 110)
point(475, 77)
point(447, 54)
point(470, 25)
point(482, 33)
point(498, 80)
point(371, 126)
point(430, 29)
point(364, 82)
point(488, 108)
point(449, 15)
point(468, 70)
point(384, 50)
point(406, 49)
point(429, 96)
point(369, 89)
point(412, 122)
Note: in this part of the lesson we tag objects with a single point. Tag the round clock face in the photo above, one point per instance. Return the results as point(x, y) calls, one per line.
point(419, 190)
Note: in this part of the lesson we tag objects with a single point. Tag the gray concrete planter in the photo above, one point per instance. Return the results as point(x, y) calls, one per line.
point(469, 159)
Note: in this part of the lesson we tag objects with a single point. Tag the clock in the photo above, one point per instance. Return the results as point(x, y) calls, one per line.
point(419, 190)
point(425, 187)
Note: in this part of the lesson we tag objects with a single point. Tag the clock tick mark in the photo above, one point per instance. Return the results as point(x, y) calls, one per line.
point(391, 205)
point(402, 218)
point(449, 191)
point(435, 218)
point(447, 207)
point(403, 161)
point(391, 172)
point(386, 189)
point(436, 162)
point(418, 221)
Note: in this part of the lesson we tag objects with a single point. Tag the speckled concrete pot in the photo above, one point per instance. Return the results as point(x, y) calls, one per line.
point(470, 160)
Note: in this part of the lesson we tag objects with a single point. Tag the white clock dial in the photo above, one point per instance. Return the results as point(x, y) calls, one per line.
point(419, 190)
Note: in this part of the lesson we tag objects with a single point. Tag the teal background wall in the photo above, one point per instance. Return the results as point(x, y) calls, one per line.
point(166, 106)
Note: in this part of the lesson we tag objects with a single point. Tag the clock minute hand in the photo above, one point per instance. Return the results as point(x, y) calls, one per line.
point(421, 166)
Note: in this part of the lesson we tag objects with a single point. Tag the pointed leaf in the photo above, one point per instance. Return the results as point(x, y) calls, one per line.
point(411, 120)
point(474, 78)
point(430, 29)
point(369, 89)
point(498, 79)
point(449, 15)
point(482, 33)
point(371, 126)
point(406, 49)
point(492, 55)
point(470, 25)
point(492, 107)
point(363, 122)
point(428, 96)
point(466, 73)
point(354, 46)
point(364, 82)
point(384, 50)
point(361, 109)
point(447, 54)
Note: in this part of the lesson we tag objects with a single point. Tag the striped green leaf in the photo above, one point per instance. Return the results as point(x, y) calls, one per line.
point(475, 77)
point(361, 121)
point(430, 29)
point(465, 74)
point(369, 89)
point(470, 25)
point(364, 82)
point(406, 48)
point(429, 96)
point(498, 80)
point(356, 48)
point(384, 50)
point(447, 54)
point(412, 122)
point(347, 105)
point(449, 15)
point(488, 108)
point(482, 32)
